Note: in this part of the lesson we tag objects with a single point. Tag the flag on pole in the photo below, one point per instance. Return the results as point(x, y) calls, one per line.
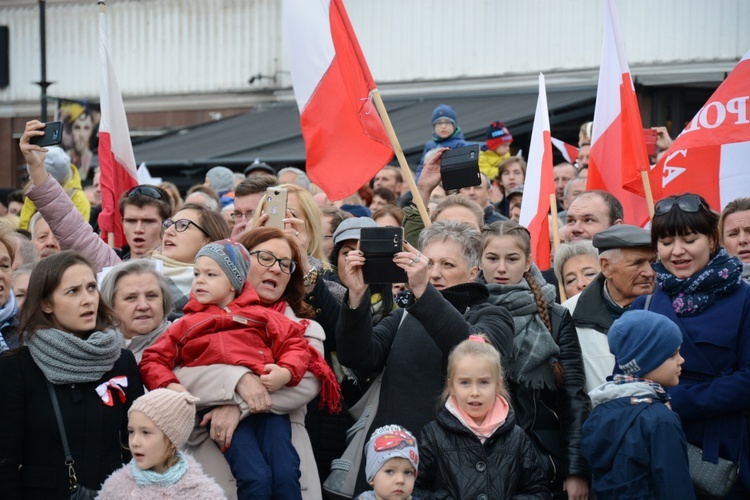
point(345, 140)
point(569, 152)
point(539, 184)
point(618, 147)
point(116, 159)
point(710, 157)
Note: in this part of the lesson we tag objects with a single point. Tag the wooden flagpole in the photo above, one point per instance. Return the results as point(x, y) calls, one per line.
point(405, 170)
point(648, 192)
point(556, 239)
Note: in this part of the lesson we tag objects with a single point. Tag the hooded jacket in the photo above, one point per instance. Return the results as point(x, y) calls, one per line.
point(454, 463)
point(635, 445)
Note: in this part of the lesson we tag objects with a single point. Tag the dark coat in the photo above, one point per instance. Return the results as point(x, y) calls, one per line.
point(416, 350)
point(454, 463)
point(714, 388)
point(97, 434)
point(553, 418)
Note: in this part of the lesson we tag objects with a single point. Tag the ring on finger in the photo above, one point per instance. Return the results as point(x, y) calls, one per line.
point(296, 233)
point(415, 260)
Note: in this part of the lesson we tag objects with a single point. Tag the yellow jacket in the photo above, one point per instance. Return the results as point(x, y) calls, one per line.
point(74, 190)
point(488, 162)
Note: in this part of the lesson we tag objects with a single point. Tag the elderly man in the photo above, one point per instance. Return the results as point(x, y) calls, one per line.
point(625, 255)
point(44, 241)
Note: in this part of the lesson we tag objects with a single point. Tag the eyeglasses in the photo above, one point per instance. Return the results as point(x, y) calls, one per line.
point(443, 122)
point(238, 216)
point(181, 225)
point(690, 203)
point(267, 259)
point(149, 191)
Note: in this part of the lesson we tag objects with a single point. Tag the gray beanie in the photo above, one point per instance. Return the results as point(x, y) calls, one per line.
point(390, 441)
point(232, 258)
point(171, 411)
point(57, 164)
point(221, 179)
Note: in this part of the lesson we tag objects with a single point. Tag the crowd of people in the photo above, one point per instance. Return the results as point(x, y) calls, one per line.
point(217, 356)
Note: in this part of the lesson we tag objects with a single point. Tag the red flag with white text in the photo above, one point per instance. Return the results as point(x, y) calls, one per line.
point(116, 159)
point(710, 157)
point(345, 140)
point(618, 147)
point(539, 184)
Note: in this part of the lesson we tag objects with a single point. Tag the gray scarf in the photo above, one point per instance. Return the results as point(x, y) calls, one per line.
point(67, 359)
point(140, 343)
point(534, 349)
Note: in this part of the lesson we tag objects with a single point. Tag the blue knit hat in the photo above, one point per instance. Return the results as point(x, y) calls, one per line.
point(642, 340)
point(444, 112)
point(231, 257)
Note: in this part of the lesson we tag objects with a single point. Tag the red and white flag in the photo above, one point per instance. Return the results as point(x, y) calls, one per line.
point(710, 157)
point(618, 147)
point(345, 139)
point(540, 183)
point(569, 152)
point(116, 159)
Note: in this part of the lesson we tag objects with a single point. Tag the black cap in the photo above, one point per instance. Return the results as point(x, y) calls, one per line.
point(259, 165)
point(622, 236)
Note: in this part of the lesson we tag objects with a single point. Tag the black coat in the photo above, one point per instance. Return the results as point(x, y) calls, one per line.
point(553, 419)
point(30, 438)
point(454, 463)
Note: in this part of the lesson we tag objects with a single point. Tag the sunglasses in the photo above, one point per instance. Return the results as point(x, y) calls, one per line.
point(181, 225)
point(267, 259)
point(690, 203)
point(149, 191)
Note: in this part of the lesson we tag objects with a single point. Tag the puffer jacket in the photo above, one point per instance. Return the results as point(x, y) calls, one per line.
point(454, 463)
point(553, 419)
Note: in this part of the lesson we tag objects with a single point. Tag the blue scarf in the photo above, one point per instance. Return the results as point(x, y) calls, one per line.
point(7, 315)
point(721, 276)
point(168, 478)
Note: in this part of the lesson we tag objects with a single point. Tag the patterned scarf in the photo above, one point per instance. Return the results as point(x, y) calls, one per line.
point(67, 359)
point(721, 276)
point(629, 379)
point(166, 478)
point(534, 349)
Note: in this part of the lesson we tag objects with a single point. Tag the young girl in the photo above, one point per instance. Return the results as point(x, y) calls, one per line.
point(159, 426)
point(545, 370)
point(474, 449)
point(225, 323)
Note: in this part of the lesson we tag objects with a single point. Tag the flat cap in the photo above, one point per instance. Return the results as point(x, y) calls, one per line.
point(622, 236)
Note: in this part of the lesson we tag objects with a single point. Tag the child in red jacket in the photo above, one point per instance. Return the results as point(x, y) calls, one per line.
point(225, 323)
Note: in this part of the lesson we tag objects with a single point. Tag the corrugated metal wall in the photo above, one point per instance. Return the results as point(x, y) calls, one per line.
point(174, 47)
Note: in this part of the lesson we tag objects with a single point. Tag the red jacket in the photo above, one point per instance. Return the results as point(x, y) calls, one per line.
point(244, 333)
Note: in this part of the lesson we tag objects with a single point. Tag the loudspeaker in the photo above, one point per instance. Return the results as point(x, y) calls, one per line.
point(4, 57)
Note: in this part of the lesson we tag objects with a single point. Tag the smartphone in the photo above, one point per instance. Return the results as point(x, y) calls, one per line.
point(52, 135)
point(460, 167)
point(650, 136)
point(275, 207)
point(379, 244)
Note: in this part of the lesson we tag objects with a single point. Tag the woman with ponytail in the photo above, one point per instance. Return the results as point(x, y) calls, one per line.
point(545, 370)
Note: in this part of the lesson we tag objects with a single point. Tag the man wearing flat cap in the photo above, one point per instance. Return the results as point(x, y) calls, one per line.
point(625, 256)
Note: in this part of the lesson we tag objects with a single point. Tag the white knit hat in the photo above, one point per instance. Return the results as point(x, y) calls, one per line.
point(173, 413)
point(57, 164)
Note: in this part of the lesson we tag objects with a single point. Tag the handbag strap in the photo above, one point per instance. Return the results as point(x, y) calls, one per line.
point(72, 478)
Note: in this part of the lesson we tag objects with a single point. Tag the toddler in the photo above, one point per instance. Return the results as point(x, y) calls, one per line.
point(391, 466)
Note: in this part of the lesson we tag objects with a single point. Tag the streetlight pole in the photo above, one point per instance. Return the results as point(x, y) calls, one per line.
point(43, 83)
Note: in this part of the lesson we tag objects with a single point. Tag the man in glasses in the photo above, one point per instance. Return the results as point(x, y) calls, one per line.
point(625, 256)
point(143, 209)
point(247, 196)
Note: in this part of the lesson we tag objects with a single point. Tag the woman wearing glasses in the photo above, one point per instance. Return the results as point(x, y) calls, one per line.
point(189, 229)
point(235, 391)
point(700, 288)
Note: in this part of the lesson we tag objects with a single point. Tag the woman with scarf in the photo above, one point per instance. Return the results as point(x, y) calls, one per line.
point(70, 350)
point(139, 296)
point(700, 288)
point(9, 308)
point(545, 369)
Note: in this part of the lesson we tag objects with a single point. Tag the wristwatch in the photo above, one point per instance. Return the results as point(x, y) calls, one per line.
point(311, 277)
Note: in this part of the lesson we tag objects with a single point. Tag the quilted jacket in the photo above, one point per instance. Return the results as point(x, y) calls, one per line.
point(454, 463)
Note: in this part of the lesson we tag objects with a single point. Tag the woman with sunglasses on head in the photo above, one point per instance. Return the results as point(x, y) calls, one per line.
point(71, 351)
point(183, 235)
point(235, 391)
point(700, 288)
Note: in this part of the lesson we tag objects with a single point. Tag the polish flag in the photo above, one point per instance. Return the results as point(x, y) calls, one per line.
point(618, 147)
point(569, 152)
point(540, 183)
point(710, 157)
point(345, 140)
point(116, 159)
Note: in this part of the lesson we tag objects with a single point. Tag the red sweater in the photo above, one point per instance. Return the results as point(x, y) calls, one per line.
point(244, 333)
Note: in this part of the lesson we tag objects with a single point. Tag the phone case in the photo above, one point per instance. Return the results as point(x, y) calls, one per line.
point(275, 207)
point(379, 244)
point(460, 167)
point(53, 132)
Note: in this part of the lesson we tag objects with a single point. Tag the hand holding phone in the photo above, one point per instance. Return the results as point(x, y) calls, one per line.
point(459, 167)
point(52, 135)
point(275, 206)
point(379, 245)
